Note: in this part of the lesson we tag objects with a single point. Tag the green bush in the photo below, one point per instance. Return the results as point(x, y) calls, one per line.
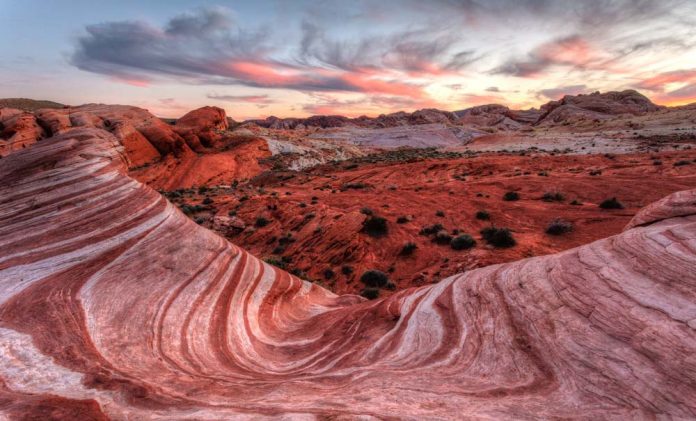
point(442, 237)
point(374, 279)
point(612, 203)
point(375, 226)
point(558, 227)
point(431, 229)
point(408, 249)
point(498, 237)
point(261, 222)
point(370, 293)
point(483, 215)
point(511, 196)
point(553, 197)
point(462, 242)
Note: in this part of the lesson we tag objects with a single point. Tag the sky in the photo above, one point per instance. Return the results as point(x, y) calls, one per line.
point(298, 58)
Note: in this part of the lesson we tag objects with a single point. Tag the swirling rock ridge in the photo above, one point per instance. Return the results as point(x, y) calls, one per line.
point(114, 305)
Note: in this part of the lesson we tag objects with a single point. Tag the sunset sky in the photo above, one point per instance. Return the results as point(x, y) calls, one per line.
point(297, 58)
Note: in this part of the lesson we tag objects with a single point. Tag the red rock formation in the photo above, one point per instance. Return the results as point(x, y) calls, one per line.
point(113, 303)
point(18, 129)
point(201, 127)
point(595, 106)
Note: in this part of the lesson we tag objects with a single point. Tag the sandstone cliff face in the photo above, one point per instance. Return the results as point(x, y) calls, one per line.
point(595, 106)
point(113, 303)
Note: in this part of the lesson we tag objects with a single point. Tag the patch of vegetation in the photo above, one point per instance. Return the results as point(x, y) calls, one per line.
point(576, 202)
point(375, 226)
point(440, 213)
point(329, 273)
point(682, 162)
point(462, 242)
point(442, 237)
point(553, 197)
point(511, 196)
point(483, 215)
point(558, 227)
point(402, 220)
point(374, 279)
point(498, 237)
point(207, 201)
point(346, 270)
point(408, 249)
point(191, 209)
point(370, 293)
point(261, 222)
point(612, 203)
point(276, 262)
point(431, 229)
point(354, 186)
point(367, 211)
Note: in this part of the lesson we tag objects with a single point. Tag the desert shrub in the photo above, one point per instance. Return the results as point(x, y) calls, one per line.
point(261, 222)
point(511, 196)
point(276, 262)
point(244, 198)
point(202, 189)
point(346, 270)
point(657, 162)
point(442, 237)
point(558, 227)
point(408, 249)
point(328, 273)
point(402, 220)
point(483, 215)
point(355, 186)
point(612, 203)
point(595, 172)
point(682, 162)
point(200, 220)
point(375, 226)
point(440, 213)
point(207, 201)
point(553, 197)
point(374, 279)
point(462, 242)
point(576, 202)
point(370, 293)
point(366, 211)
point(498, 237)
point(431, 229)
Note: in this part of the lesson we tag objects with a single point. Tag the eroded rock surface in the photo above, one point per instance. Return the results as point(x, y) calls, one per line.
point(113, 303)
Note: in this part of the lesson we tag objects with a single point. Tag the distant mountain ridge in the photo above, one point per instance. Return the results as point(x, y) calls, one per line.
point(593, 106)
point(26, 104)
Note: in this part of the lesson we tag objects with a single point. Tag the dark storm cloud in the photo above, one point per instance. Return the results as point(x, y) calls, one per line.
point(206, 47)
